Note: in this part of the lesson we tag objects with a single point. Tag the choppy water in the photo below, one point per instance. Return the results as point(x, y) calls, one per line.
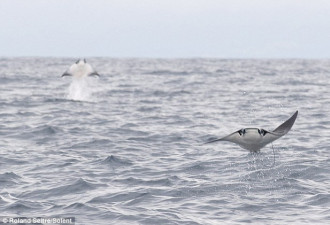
point(126, 148)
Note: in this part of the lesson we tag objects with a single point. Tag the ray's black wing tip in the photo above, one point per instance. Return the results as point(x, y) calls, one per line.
point(96, 74)
point(295, 114)
point(66, 74)
point(293, 117)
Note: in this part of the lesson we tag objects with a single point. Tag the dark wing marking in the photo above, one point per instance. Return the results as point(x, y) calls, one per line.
point(270, 137)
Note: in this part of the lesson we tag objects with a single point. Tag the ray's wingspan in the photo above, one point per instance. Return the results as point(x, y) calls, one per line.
point(268, 136)
point(80, 69)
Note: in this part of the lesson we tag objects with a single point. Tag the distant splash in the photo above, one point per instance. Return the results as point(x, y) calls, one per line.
point(81, 89)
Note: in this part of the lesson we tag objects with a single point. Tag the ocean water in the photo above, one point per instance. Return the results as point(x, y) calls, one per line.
point(126, 148)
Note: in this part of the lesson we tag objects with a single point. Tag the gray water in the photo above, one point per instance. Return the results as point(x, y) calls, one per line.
point(127, 148)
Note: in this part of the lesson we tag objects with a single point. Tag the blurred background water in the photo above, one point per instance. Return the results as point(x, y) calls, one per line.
point(126, 148)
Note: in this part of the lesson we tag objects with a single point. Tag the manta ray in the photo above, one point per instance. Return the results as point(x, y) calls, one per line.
point(253, 139)
point(80, 69)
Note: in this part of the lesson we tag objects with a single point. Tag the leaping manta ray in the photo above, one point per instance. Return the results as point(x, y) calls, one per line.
point(253, 139)
point(80, 69)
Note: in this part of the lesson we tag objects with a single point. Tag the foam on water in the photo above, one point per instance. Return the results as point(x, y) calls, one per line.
point(81, 89)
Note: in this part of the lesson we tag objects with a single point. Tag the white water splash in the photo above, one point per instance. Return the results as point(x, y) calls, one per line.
point(81, 89)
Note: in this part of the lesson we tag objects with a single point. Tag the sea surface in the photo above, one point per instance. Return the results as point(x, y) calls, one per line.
point(127, 148)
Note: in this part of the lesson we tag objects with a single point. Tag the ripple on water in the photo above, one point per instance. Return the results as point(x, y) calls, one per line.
point(125, 149)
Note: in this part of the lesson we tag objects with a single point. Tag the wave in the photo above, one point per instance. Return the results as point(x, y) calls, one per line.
point(167, 72)
point(124, 197)
point(77, 187)
point(115, 162)
point(9, 178)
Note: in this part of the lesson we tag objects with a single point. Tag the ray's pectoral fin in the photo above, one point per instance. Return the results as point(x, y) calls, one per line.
point(214, 140)
point(285, 127)
point(94, 74)
point(231, 137)
point(280, 131)
point(66, 74)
